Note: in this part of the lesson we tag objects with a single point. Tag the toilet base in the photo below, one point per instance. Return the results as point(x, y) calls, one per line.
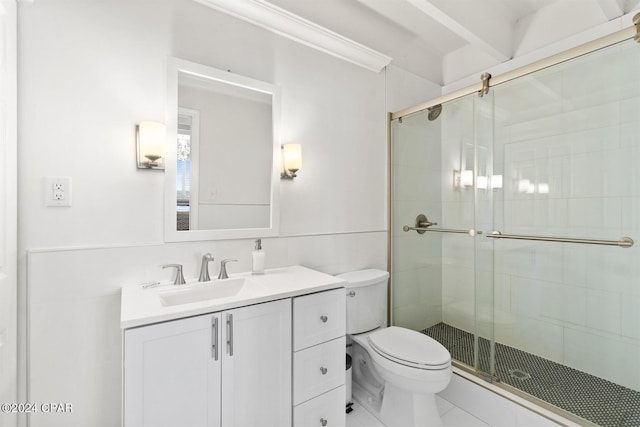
point(399, 408)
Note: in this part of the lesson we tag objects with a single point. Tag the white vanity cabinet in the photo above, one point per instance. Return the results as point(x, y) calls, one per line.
point(231, 368)
point(319, 324)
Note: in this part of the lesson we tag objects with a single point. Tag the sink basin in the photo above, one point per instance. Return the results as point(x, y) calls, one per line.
point(224, 288)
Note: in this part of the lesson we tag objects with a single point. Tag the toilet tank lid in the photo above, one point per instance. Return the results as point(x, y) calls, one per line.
point(356, 279)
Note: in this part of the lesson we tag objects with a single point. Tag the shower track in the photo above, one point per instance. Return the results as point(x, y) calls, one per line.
point(594, 399)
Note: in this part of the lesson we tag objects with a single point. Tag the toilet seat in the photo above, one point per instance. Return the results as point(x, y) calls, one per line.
point(409, 348)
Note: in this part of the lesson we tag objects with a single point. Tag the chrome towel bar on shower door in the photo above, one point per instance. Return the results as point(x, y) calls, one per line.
point(423, 225)
point(623, 242)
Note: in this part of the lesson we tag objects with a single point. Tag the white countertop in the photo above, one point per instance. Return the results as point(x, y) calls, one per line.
point(141, 306)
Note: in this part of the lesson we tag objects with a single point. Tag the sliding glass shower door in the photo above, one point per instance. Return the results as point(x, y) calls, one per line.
point(442, 273)
point(523, 264)
point(569, 144)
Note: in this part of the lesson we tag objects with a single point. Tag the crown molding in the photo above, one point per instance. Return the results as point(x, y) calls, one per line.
point(286, 24)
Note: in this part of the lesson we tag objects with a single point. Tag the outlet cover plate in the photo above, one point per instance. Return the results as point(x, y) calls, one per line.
point(57, 191)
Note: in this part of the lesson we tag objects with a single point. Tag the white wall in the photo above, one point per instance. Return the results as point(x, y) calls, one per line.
point(8, 209)
point(91, 70)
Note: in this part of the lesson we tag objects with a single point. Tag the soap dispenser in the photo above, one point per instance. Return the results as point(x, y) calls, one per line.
point(257, 257)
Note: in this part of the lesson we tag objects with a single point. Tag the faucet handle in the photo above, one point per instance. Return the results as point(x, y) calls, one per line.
point(179, 277)
point(223, 268)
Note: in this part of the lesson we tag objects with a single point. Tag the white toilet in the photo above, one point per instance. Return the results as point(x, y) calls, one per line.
point(396, 371)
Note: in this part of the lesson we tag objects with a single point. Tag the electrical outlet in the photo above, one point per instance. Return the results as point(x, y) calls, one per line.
point(57, 191)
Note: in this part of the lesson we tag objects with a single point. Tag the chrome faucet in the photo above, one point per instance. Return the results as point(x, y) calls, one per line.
point(223, 268)
point(204, 268)
point(179, 277)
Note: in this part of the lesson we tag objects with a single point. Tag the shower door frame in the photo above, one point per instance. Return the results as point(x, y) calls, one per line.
point(479, 377)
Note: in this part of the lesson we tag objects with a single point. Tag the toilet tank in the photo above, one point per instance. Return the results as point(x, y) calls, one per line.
point(366, 299)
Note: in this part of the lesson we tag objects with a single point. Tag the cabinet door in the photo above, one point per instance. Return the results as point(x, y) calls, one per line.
point(256, 365)
point(171, 375)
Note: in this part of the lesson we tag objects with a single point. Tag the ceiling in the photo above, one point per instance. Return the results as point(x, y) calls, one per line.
point(436, 39)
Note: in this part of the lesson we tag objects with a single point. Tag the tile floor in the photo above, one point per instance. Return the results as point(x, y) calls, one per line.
point(466, 404)
point(452, 416)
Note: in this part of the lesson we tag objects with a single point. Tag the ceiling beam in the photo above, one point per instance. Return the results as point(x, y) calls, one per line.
point(612, 9)
point(294, 27)
point(480, 27)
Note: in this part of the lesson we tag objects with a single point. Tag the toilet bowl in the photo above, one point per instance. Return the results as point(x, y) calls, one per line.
point(397, 371)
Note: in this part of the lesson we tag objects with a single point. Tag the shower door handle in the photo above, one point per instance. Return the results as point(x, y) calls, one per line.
point(422, 225)
point(470, 232)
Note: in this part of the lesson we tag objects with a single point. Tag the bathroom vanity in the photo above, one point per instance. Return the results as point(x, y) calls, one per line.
point(249, 350)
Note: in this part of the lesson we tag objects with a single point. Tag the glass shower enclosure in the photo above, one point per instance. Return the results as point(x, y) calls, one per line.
point(512, 220)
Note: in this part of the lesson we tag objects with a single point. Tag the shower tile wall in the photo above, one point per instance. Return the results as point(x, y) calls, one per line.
point(417, 258)
point(567, 142)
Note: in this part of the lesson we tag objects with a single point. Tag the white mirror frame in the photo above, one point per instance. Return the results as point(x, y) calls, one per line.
point(176, 66)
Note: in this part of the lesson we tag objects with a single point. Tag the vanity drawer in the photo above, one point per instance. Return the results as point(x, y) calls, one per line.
point(325, 410)
point(318, 318)
point(318, 369)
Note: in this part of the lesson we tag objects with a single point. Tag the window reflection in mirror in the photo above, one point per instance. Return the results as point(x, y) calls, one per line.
point(183, 170)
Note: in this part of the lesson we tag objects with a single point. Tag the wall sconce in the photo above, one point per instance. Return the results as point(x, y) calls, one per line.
point(482, 182)
point(543, 188)
point(462, 179)
point(291, 160)
point(151, 140)
point(496, 181)
point(491, 182)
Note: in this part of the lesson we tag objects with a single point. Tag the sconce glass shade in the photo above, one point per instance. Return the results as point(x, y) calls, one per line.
point(482, 182)
point(466, 178)
point(291, 160)
point(151, 141)
point(496, 181)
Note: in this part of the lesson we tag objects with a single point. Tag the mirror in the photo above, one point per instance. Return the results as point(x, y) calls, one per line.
point(223, 152)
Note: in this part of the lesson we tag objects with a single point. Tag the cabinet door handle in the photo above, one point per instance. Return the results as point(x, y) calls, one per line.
point(324, 319)
point(323, 370)
point(323, 422)
point(214, 339)
point(230, 333)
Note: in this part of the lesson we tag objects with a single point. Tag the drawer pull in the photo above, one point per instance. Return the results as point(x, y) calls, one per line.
point(324, 319)
point(323, 422)
point(351, 294)
point(323, 370)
